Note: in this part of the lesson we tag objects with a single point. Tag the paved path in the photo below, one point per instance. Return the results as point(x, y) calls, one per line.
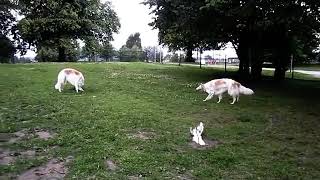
point(315, 74)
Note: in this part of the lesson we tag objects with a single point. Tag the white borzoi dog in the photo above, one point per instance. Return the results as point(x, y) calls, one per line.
point(72, 76)
point(219, 86)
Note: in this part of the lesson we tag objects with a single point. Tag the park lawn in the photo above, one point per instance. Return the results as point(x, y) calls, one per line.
point(309, 67)
point(272, 134)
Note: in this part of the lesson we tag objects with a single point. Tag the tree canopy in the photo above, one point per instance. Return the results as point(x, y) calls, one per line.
point(134, 40)
point(48, 22)
point(279, 27)
point(132, 50)
point(7, 49)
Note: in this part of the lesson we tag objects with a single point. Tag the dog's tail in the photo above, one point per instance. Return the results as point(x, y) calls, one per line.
point(246, 91)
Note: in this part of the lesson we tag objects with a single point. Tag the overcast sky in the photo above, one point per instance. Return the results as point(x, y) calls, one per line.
point(134, 17)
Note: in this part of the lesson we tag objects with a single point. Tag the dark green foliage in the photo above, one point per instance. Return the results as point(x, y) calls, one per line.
point(134, 40)
point(183, 25)
point(107, 51)
point(132, 51)
point(131, 54)
point(6, 17)
point(49, 51)
point(281, 28)
point(7, 50)
point(52, 20)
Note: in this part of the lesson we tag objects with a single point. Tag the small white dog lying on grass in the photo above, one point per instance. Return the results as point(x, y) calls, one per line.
point(72, 76)
point(219, 86)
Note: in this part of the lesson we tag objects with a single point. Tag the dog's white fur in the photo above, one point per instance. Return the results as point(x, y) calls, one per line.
point(72, 76)
point(196, 133)
point(220, 86)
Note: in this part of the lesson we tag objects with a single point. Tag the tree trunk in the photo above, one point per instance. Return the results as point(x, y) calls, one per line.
point(189, 55)
point(244, 60)
point(282, 57)
point(62, 54)
point(256, 62)
point(256, 69)
point(281, 66)
point(279, 73)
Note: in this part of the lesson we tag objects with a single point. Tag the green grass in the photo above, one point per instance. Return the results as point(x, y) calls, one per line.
point(309, 67)
point(272, 134)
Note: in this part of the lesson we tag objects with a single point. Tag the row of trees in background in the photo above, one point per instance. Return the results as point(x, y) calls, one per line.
point(260, 30)
point(54, 26)
point(131, 51)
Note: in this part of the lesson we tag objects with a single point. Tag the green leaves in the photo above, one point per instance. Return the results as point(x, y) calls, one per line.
point(51, 20)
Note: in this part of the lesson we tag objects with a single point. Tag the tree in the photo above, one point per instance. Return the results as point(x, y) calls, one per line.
point(182, 25)
point(56, 20)
point(6, 17)
point(132, 50)
point(7, 49)
point(134, 40)
point(107, 51)
point(8, 28)
point(91, 49)
point(131, 54)
point(48, 52)
point(279, 26)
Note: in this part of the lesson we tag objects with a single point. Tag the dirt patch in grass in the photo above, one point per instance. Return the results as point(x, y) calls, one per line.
point(44, 135)
point(5, 137)
point(54, 169)
point(142, 134)
point(186, 176)
point(110, 165)
point(24, 134)
point(210, 144)
point(8, 157)
point(28, 153)
point(17, 136)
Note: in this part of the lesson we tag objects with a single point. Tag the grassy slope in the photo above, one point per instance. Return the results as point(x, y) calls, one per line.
point(311, 67)
point(273, 134)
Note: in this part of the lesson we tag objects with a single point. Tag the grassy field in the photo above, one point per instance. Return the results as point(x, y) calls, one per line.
point(137, 117)
point(310, 67)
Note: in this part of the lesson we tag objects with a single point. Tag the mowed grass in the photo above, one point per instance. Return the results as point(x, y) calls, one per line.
point(272, 134)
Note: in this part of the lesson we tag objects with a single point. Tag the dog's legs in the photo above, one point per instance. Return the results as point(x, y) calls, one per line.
point(209, 97)
point(60, 87)
point(77, 87)
point(234, 99)
point(238, 98)
point(220, 97)
point(80, 88)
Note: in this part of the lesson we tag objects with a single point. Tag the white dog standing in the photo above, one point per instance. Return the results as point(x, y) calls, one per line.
point(72, 76)
point(219, 86)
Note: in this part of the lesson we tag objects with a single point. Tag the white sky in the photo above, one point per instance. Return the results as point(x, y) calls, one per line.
point(134, 17)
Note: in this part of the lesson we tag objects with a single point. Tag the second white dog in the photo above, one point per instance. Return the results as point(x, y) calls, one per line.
point(219, 86)
point(72, 76)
